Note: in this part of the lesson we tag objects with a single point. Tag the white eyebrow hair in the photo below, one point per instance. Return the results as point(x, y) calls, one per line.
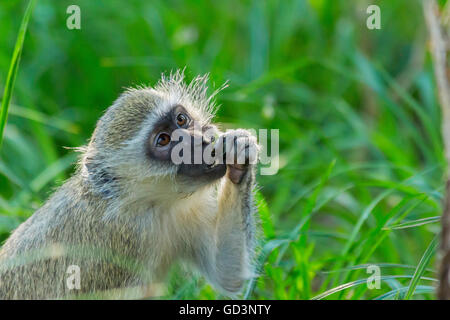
point(195, 91)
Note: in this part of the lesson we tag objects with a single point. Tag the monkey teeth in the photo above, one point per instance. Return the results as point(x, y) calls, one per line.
point(209, 166)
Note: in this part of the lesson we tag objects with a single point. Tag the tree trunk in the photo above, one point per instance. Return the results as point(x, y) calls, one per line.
point(439, 42)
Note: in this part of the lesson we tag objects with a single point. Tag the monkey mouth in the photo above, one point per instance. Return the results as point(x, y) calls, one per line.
point(203, 171)
point(211, 166)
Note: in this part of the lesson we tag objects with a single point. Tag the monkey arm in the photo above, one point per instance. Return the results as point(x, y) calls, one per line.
point(235, 233)
point(227, 261)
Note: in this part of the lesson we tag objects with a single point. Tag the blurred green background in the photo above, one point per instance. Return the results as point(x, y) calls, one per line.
point(361, 158)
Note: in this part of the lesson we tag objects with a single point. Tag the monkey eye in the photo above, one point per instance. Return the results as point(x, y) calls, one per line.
point(181, 119)
point(162, 140)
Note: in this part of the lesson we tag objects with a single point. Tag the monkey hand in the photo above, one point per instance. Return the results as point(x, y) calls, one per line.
point(239, 150)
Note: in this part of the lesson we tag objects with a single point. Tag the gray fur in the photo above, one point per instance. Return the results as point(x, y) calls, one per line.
point(125, 220)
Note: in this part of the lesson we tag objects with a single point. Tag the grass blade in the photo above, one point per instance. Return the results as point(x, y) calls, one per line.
point(42, 118)
point(14, 66)
point(413, 223)
point(398, 292)
point(358, 282)
point(266, 251)
point(424, 261)
point(381, 265)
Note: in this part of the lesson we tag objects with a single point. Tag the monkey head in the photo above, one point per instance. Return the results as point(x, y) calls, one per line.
point(156, 141)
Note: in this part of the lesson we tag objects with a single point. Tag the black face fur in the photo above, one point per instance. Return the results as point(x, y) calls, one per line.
point(160, 145)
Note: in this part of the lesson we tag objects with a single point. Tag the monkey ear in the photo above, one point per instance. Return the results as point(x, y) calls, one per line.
point(99, 177)
point(89, 164)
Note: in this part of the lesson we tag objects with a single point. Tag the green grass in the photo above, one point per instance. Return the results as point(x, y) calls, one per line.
point(10, 80)
point(361, 178)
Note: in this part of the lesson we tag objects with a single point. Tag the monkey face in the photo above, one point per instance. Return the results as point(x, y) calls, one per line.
point(153, 141)
point(178, 139)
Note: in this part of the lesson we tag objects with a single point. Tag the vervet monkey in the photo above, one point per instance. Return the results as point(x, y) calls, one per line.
point(129, 212)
